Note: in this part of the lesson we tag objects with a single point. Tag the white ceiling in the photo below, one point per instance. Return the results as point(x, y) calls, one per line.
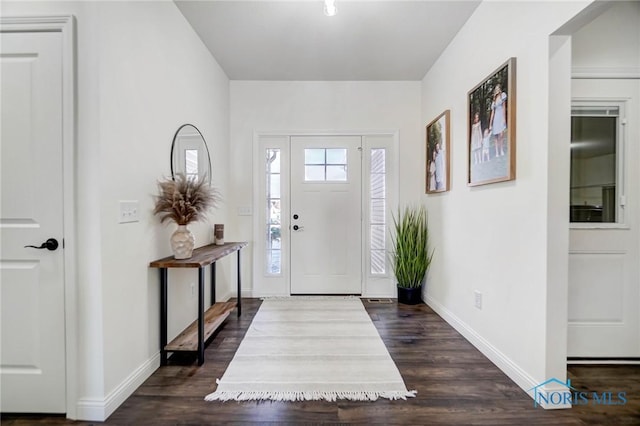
point(294, 40)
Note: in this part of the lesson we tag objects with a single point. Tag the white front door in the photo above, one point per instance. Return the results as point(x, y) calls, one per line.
point(326, 215)
point(604, 275)
point(32, 354)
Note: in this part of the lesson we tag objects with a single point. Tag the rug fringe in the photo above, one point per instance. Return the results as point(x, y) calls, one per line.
point(308, 396)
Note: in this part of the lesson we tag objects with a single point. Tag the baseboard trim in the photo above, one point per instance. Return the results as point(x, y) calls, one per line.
point(603, 361)
point(97, 409)
point(224, 297)
point(504, 363)
point(380, 295)
point(246, 293)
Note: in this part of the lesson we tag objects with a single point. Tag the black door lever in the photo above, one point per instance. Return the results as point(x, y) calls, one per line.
point(51, 244)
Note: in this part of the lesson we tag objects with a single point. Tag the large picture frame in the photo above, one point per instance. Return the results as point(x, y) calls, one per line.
point(491, 141)
point(438, 142)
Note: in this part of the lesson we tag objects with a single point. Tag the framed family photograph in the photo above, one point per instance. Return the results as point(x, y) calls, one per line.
point(438, 149)
point(492, 127)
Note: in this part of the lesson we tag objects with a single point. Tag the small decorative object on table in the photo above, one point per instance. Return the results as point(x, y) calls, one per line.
point(184, 200)
point(218, 234)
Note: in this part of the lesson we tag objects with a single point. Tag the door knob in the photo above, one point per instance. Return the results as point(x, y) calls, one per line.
point(51, 244)
point(296, 227)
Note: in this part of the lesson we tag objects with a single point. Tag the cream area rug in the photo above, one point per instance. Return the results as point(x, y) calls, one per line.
point(304, 348)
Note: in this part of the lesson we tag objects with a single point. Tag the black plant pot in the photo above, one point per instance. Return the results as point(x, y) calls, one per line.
point(410, 296)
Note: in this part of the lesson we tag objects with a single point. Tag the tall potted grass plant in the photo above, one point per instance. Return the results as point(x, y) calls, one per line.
point(411, 255)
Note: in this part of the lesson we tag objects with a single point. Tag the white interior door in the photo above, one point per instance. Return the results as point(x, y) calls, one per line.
point(32, 353)
point(604, 276)
point(326, 215)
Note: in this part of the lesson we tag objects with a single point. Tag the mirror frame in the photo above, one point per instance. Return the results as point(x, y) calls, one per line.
point(204, 142)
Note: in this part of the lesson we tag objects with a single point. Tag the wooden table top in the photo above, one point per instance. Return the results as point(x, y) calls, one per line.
point(202, 256)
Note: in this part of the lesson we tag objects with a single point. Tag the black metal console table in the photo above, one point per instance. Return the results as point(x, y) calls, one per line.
point(192, 339)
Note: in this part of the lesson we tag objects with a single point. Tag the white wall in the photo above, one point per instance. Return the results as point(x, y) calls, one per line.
point(319, 106)
point(609, 44)
point(142, 72)
point(495, 238)
point(156, 75)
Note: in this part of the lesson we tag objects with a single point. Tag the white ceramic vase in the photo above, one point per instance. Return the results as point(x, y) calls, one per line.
point(182, 242)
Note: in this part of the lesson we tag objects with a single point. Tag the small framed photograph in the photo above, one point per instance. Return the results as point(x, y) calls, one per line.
point(438, 150)
point(492, 127)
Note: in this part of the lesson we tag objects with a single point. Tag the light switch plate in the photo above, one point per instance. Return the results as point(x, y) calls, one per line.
point(129, 211)
point(244, 211)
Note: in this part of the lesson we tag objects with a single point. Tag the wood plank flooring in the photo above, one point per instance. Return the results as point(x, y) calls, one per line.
point(456, 385)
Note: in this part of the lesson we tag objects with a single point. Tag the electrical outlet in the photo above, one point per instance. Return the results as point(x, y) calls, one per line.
point(244, 211)
point(478, 299)
point(129, 211)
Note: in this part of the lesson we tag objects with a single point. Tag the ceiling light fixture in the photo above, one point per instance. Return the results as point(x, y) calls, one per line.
point(330, 7)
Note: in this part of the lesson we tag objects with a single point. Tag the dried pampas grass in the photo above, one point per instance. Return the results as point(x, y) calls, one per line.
point(185, 199)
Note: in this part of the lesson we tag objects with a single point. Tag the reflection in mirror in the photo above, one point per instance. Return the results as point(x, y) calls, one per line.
point(189, 153)
point(191, 162)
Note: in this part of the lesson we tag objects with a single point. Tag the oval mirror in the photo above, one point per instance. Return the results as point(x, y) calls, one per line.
point(190, 154)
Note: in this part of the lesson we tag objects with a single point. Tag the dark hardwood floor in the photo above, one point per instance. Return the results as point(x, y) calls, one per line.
point(456, 385)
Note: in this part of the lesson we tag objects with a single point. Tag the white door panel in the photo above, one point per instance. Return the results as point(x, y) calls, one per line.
point(597, 286)
point(603, 302)
point(326, 247)
point(604, 271)
point(32, 355)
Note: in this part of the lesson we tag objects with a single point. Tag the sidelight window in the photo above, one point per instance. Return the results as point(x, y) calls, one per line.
point(273, 226)
point(378, 206)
